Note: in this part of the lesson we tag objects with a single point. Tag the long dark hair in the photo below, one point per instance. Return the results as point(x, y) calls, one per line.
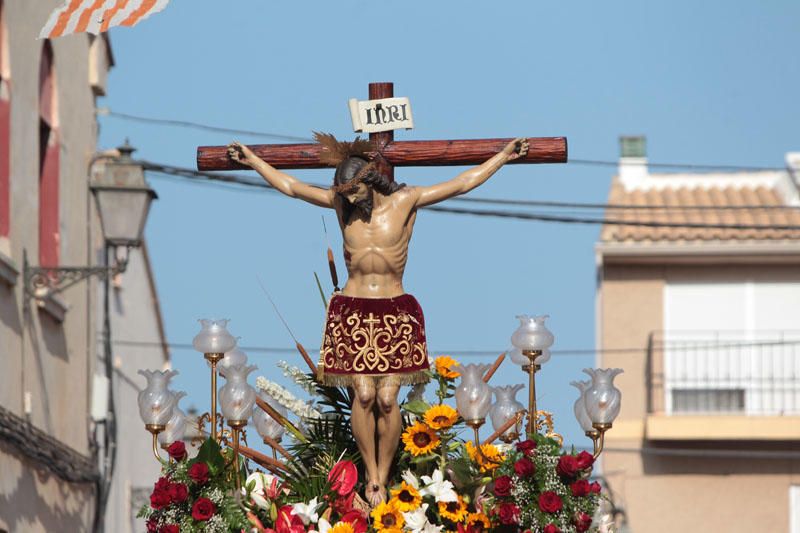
point(349, 169)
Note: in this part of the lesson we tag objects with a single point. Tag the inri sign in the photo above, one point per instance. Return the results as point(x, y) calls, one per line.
point(371, 116)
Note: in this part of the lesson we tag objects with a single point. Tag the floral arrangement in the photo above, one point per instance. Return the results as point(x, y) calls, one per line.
point(440, 483)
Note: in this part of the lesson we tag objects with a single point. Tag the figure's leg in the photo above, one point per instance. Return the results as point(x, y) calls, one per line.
point(362, 420)
point(390, 425)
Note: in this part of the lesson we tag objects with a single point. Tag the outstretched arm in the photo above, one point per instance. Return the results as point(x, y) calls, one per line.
point(468, 180)
point(281, 181)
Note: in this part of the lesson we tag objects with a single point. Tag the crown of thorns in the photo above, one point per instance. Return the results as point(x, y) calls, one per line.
point(335, 152)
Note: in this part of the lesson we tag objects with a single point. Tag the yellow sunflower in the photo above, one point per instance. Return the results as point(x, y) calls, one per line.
point(387, 517)
point(420, 439)
point(444, 367)
point(479, 521)
point(490, 451)
point(441, 416)
point(342, 527)
point(406, 498)
point(455, 511)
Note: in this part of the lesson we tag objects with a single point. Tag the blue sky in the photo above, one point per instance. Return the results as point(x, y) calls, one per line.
point(707, 82)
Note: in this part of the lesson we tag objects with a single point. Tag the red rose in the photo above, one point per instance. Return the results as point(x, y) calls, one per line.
point(567, 466)
point(582, 522)
point(357, 519)
point(508, 513)
point(177, 450)
point(198, 473)
point(288, 522)
point(159, 499)
point(580, 488)
point(343, 477)
point(162, 484)
point(502, 486)
point(170, 528)
point(152, 525)
point(178, 492)
point(203, 509)
point(550, 502)
point(551, 528)
point(585, 460)
point(526, 446)
point(595, 487)
point(524, 467)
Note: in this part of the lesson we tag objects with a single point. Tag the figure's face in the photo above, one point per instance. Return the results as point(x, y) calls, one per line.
point(359, 194)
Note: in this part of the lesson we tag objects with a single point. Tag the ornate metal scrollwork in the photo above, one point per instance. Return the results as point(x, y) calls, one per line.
point(41, 282)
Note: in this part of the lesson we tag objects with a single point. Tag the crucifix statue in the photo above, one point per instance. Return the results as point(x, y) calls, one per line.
point(374, 339)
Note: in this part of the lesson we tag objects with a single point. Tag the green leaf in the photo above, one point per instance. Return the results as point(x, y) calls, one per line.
point(422, 459)
point(321, 291)
point(418, 407)
point(211, 454)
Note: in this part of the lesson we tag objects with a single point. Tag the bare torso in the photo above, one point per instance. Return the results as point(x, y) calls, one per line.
point(376, 251)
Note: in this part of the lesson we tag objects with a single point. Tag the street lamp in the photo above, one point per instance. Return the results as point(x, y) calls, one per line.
point(123, 200)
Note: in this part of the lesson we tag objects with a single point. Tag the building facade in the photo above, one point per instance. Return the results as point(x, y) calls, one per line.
point(699, 304)
point(53, 399)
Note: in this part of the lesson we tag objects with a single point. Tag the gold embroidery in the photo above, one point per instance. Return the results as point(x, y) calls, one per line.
point(372, 345)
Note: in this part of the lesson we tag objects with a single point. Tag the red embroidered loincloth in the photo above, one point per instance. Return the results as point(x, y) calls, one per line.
point(383, 338)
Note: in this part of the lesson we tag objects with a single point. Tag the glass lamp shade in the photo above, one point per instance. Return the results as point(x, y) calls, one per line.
point(156, 401)
point(579, 408)
point(506, 407)
point(237, 397)
point(123, 212)
point(176, 427)
point(473, 396)
point(603, 400)
point(519, 359)
point(532, 334)
point(214, 337)
point(234, 357)
point(266, 426)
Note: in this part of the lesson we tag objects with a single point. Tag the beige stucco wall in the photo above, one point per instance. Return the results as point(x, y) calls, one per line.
point(48, 360)
point(661, 493)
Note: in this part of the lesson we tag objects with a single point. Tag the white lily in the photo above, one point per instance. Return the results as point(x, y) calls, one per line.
point(416, 520)
point(307, 512)
point(411, 479)
point(438, 487)
point(323, 526)
point(258, 495)
point(430, 528)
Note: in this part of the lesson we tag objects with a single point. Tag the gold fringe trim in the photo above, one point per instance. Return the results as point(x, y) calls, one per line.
point(379, 380)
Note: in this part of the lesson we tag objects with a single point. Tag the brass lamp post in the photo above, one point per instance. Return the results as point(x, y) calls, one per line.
point(213, 341)
point(532, 341)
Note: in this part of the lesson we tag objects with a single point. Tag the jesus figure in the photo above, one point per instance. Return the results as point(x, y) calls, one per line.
point(374, 339)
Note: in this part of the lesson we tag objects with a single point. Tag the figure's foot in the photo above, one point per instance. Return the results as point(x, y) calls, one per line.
point(375, 493)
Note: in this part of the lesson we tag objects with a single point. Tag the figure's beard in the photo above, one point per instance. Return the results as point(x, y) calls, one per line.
point(361, 209)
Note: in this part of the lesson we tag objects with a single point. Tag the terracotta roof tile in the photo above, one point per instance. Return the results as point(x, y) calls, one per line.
point(769, 210)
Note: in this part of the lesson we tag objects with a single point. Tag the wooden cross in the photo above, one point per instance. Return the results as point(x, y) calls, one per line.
point(390, 153)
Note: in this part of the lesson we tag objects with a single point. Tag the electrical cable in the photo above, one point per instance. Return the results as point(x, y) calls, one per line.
point(596, 162)
point(541, 217)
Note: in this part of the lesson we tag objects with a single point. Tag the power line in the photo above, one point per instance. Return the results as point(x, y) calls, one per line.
point(271, 135)
point(196, 125)
point(541, 217)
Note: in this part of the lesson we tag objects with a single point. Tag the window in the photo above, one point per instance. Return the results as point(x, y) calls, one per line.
point(49, 242)
point(732, 346)
point(5, 131)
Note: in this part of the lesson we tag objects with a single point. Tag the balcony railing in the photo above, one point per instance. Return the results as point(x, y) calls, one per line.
point(724, 372)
